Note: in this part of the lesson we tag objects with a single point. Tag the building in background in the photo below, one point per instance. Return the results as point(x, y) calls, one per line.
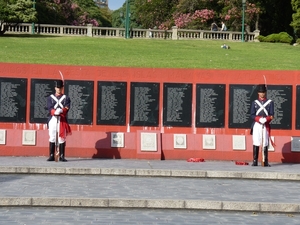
point(101, 3)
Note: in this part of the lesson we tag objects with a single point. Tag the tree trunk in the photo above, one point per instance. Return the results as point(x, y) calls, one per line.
point(256, 22)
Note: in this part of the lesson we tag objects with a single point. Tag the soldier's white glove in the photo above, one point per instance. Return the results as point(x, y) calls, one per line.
point(58, 111)
point(262, 120)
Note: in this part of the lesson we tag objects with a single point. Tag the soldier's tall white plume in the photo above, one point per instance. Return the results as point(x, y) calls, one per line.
point(265, 81)
point(62, 76)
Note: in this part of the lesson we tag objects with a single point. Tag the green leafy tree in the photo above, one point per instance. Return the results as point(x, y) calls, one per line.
point(56, 12)
point(118, 16)
point(155, 13)
point(190, 6)
point(296, 17)
point(116, 19)
point(13, 12)
point(72, 12)
point(90, 13)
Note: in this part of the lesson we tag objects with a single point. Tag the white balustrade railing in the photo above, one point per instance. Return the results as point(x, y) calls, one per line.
point(109, 32)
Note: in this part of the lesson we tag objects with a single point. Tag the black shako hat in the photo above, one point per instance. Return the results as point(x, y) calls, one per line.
point(59, 83)
point(261, 88)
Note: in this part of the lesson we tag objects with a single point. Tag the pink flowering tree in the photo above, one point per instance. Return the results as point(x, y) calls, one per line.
point(196, 14)
point(182, 20)
point(198, 20)
point(232, 14)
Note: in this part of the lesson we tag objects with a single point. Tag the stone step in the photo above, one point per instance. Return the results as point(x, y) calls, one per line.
point(149, 204)
point(151, 173)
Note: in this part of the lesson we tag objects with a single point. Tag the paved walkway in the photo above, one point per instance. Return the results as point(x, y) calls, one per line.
point(149, 185)
point(82, 216)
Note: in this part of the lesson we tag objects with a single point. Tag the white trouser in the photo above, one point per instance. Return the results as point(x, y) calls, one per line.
point(53, 128)
point(259, 133)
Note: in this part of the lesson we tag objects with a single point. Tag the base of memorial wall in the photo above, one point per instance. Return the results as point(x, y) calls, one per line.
point(101, 148)
point(148, 113)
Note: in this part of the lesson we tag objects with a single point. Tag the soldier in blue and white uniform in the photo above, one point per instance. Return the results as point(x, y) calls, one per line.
point(262, 113)
point(58, 106)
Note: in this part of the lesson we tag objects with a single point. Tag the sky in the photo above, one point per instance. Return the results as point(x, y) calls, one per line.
point(115, 4)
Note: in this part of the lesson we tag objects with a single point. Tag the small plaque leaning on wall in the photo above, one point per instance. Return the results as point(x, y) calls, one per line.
point(295, 144)
point(13, 93)
point(177, 105)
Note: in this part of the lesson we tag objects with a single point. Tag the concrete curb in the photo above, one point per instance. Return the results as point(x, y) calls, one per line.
point(150, 204)
point(152, 173)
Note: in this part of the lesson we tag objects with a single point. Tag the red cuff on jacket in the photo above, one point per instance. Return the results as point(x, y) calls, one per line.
point(269, 118)
point(65, 110)
point(257, 118)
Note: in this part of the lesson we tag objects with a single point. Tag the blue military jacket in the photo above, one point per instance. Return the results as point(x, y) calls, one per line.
point(54, 102)
point(262, 108)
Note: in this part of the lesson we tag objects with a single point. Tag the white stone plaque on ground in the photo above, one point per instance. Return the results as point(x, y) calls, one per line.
point(2, 137)
point(209, 141)
point(238, 142)
point(148, 142)
point(180, 141)
point(29, 137)
point(117, 140)
point(295, 144)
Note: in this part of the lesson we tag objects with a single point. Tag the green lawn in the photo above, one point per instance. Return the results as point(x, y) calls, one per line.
point(148, 53)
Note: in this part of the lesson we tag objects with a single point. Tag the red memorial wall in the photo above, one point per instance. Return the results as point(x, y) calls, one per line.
point(148, 113)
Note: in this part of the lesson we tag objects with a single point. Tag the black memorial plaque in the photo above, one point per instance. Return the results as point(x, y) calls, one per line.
point(282, 98)
point(81, 94)
point(144, 104)
point(298, 107)
point(210, 105)
point(177, 104)
point(40, 90)
point(240, 100)
point(242, 96)
point(111, 103)
point(13, 100)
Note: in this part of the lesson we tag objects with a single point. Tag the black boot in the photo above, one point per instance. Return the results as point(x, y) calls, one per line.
point(255, 155)
point(51, 151)
point(62, 152)
point(266, 156)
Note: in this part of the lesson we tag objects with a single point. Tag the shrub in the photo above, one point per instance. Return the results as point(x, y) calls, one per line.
point(282, 37)
point(261, 38)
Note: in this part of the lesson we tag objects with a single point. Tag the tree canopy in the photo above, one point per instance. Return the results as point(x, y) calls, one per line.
point(72, 12)
point(198, 14)
point(65, 12)
point(296, 17)
point(268, 16)
point(16, 11)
